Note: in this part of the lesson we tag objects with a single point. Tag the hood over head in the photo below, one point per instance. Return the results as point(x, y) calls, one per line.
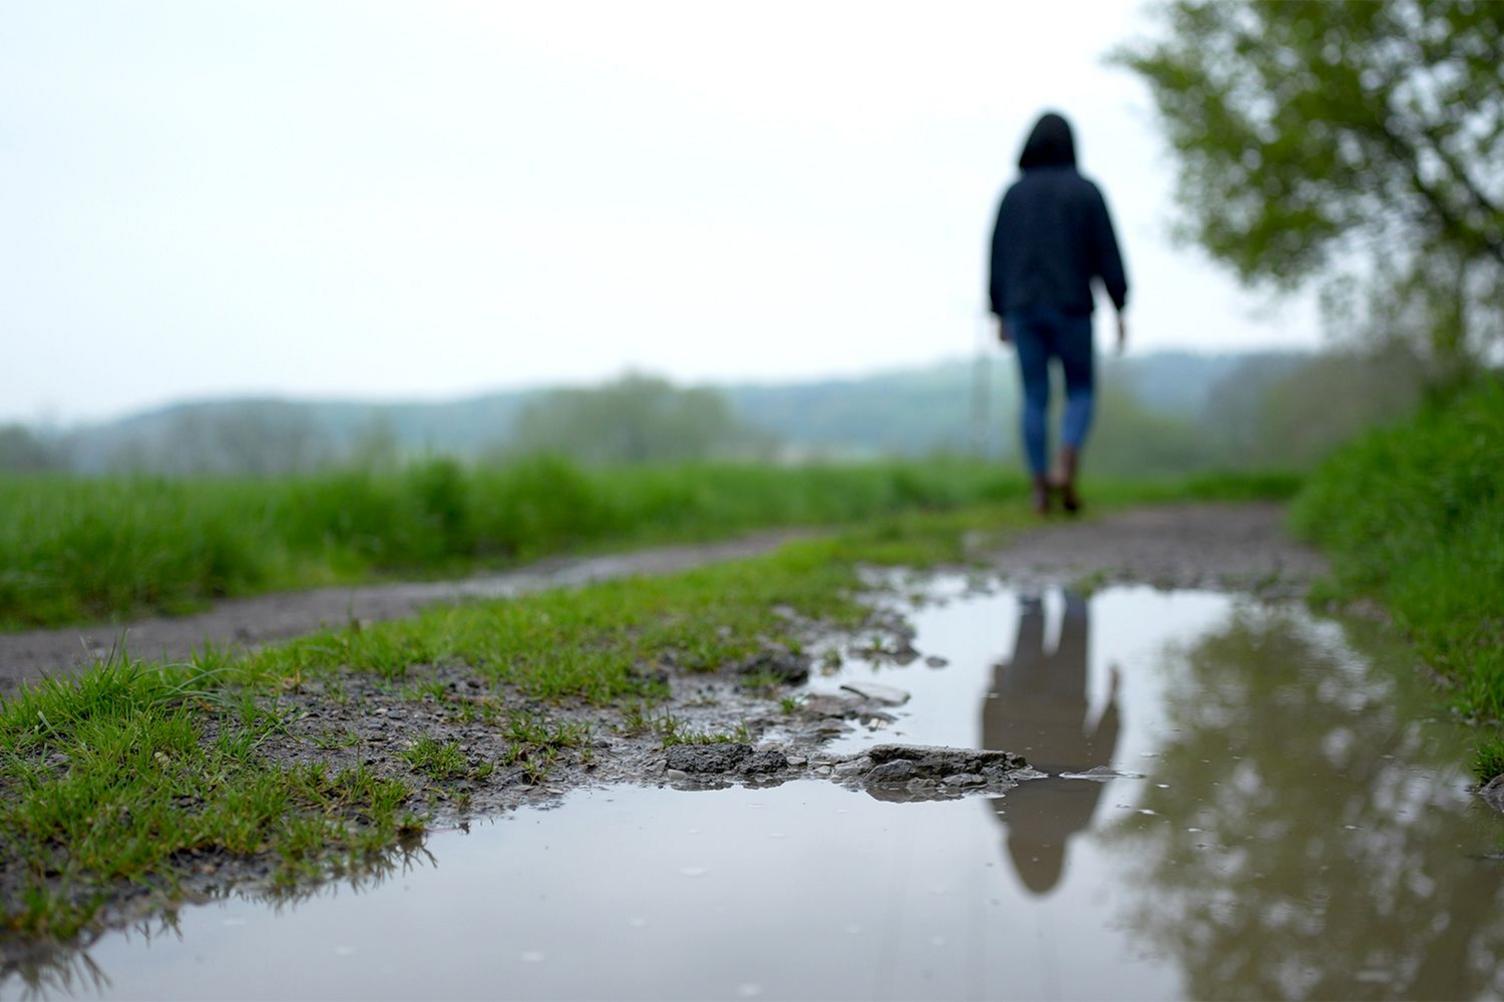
point(1050, 144)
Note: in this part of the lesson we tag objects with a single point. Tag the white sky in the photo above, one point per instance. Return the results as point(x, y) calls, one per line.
point(429, 199)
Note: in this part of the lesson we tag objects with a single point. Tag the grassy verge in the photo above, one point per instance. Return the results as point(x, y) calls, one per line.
point(74, 550)
point(1414, 516)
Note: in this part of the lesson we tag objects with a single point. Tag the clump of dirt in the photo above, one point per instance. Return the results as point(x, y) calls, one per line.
point(887, 772)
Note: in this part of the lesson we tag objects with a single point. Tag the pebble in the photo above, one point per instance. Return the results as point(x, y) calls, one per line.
point(886, 694)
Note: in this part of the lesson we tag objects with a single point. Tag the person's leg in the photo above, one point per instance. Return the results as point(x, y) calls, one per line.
point(1074, 347)
point(1031, 342)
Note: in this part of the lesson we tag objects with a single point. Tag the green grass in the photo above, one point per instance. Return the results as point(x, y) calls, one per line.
point(85, 549)
point(437, 759)
point(113, 777)
point(1414, 516)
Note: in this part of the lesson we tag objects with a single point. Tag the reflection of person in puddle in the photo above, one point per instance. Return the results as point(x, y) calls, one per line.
point(1038, 708)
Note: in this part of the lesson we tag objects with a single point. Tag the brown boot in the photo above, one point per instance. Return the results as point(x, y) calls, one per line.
point(1040, 495)
point(1065, 479)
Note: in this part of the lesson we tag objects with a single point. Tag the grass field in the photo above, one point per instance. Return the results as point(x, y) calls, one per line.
point(1414, 516)
point(87, 549)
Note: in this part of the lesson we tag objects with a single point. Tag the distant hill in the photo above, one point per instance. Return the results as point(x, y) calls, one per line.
point(951, 405)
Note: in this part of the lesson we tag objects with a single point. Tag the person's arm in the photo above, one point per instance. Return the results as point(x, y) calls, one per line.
point(997, 284)
point(1108, 262)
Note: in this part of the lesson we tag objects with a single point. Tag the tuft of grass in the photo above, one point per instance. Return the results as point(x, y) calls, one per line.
point(1413, 516)
point(439, 760)
point(678, 734)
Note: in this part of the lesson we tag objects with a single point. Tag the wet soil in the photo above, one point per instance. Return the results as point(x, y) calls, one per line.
point(250, 622)
point(1235, 547)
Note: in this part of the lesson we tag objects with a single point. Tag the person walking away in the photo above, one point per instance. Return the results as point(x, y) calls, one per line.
point(1053, 237)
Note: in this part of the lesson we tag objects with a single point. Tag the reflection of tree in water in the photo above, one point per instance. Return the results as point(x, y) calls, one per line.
point(1277, 745)
point(1038, 706)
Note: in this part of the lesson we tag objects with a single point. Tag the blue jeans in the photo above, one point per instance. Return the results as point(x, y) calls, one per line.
point(1038, 336)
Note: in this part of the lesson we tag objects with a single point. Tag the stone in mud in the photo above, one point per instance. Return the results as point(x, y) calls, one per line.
point(764, 761)
point(885, 694)
point(936, 763)
point(723, 759)
point(935, 661)
point(830, 704)
point(897, 771)
point(707, 759)
point(788, 667)
point(853, 767)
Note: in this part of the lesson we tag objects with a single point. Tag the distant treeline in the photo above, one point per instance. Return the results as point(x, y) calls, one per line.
point(1161, 414)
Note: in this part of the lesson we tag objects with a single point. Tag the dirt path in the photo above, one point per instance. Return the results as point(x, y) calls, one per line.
point(1219, 546)
point(249, 622)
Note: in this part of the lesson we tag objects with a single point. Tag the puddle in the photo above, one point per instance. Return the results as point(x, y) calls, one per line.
point(1255, 810)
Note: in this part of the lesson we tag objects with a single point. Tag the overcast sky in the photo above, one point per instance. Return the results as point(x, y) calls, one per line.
point(431, 199)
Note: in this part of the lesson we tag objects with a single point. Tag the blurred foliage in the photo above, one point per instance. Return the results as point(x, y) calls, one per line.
point(1166, 413)
point(634, 419)
point(24, 451)
point(1414, 515)
point(1292, 416)
point(1351, 139)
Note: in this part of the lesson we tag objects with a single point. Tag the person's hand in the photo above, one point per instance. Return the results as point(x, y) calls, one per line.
point(1004, 335)
point(1122, 333)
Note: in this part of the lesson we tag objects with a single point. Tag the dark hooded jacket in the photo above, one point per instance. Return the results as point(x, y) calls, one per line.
point(1053, 233)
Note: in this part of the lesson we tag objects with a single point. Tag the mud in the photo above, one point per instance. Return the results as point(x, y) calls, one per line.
point(250, 622)
point(1228, 547)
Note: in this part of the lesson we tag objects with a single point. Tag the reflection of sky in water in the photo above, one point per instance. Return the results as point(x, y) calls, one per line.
point(1294, 831)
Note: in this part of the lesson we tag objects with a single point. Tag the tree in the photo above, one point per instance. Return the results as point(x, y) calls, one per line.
point(23, 451)
point(634, 419)
point(1358, 141)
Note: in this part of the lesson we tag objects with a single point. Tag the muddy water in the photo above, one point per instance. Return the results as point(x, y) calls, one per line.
point(1271, 815)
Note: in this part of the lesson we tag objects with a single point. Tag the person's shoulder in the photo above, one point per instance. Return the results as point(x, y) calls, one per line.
point(1089, 188)
point(1012, 193)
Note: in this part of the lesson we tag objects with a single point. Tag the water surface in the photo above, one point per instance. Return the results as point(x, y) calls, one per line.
point(1286, 821)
